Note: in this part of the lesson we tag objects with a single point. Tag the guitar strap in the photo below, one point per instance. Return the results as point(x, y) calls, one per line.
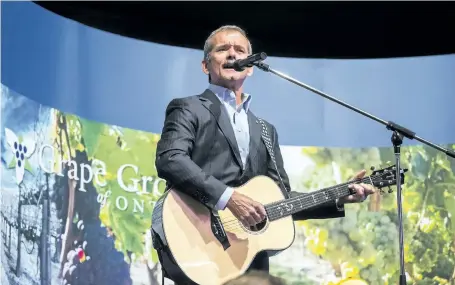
point(268, 144)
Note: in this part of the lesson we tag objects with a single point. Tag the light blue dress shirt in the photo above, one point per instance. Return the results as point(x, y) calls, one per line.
point(238, 115)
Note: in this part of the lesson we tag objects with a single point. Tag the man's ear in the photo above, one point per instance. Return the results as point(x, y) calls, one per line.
point(205, 67)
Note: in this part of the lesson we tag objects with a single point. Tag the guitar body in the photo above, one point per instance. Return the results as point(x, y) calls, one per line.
point(211, 250)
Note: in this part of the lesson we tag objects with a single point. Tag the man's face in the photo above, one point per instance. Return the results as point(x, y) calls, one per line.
point(228, 46)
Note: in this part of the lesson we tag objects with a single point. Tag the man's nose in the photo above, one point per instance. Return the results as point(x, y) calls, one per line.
point(231, 53)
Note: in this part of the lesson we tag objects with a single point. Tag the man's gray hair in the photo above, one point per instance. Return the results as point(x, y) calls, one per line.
point(208, 46)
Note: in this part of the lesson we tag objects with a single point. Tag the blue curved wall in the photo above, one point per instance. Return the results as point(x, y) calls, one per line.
point(117, 80)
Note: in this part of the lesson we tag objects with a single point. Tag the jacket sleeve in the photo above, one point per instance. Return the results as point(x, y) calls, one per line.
point(173, 156)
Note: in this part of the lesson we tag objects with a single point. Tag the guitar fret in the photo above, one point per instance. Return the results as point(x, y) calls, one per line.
point(293, 205)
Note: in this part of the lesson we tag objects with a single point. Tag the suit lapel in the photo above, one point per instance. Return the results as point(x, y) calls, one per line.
point(255, 136)
point(213, 104)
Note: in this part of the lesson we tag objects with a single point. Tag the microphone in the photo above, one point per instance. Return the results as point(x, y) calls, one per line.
point(239, 65)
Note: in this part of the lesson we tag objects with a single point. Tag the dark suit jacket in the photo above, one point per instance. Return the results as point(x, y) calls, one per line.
point(198, 153)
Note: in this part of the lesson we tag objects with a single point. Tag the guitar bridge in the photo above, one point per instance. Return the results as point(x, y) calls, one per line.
point(218, 230)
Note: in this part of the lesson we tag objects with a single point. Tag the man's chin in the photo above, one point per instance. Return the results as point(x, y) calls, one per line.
point(234, 77)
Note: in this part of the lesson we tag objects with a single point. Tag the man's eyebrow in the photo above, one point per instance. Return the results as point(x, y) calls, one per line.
point(228, 45)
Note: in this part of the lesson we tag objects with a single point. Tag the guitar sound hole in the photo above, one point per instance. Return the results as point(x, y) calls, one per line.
point(258, 227)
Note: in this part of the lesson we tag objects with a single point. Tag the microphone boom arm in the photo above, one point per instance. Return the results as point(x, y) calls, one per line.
point(389, 124)
point(398, 132)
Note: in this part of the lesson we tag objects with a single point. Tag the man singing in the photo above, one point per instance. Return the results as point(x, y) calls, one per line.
point(211, 143)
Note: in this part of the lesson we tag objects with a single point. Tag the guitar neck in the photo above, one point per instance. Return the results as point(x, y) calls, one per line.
point(287, 207)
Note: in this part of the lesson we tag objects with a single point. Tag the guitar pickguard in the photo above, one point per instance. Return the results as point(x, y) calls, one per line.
point(218, 230)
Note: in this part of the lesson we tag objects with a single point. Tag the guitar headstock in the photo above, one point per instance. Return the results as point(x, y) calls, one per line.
point(386, 177)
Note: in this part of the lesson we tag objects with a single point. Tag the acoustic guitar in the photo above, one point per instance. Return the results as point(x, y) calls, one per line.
point(212, 247)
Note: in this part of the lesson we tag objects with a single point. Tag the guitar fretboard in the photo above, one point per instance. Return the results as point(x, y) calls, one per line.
point(284, 208)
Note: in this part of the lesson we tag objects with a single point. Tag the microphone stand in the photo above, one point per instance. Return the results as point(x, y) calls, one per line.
point(398, 132)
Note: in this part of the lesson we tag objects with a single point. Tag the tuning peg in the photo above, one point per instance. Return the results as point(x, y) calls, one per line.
point(390, 190)
point(372, 168)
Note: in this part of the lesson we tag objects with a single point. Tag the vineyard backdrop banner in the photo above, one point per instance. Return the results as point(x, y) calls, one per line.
point(77, 198)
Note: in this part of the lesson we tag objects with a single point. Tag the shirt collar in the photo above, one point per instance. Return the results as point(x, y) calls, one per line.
point(228, 96)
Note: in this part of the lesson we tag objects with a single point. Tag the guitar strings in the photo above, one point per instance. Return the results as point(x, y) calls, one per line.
point(274, 207)
point(234, 224)
point(272, 210)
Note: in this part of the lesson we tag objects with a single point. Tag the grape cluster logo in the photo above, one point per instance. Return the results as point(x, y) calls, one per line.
point(22, 149)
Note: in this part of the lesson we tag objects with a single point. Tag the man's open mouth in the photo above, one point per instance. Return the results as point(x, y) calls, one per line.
point(228, 65)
